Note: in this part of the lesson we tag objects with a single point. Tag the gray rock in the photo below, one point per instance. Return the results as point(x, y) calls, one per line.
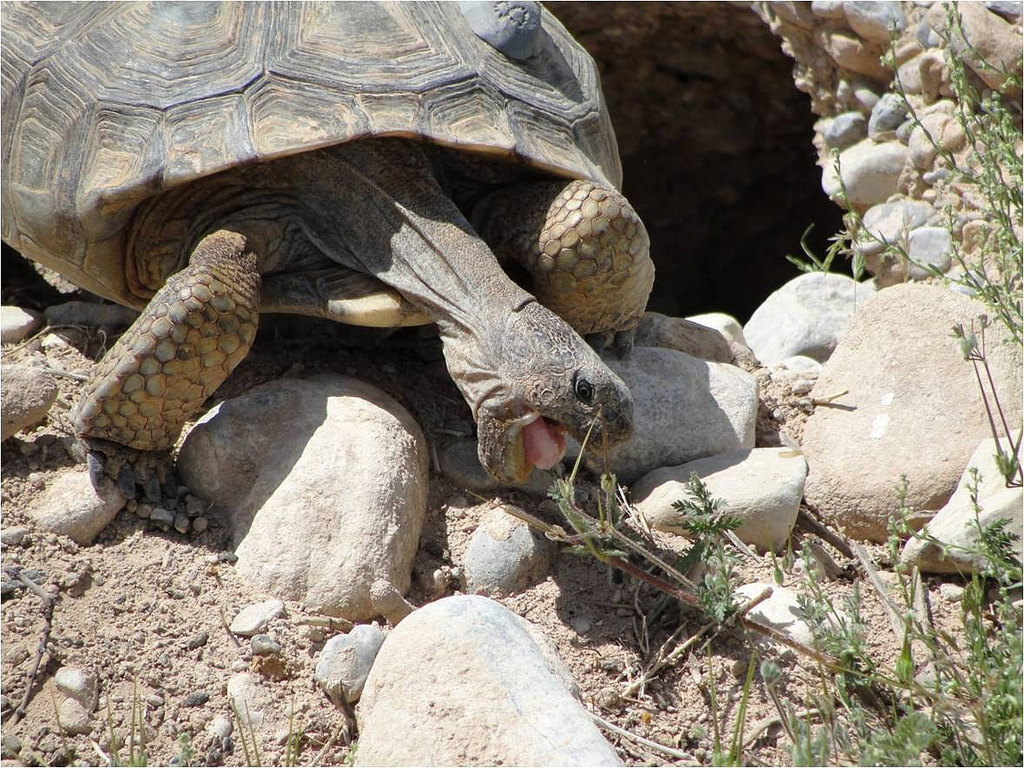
point(486, 688)
point(258, 709)
point(13, 536)
point(927, 36)
point(875, 21)
point(17, 324)
point(912, 407)
point(684, 408)
point(73, 507)
point(781, 611)
point(828, 9)
point(220, 727)
point(727, 325)
point(325, 484)
point(951, 593)
point(79, 684)
point(388, 601)
point(25, 399)
point(264, 645)
point(511, 27)
point(870, 171)
point(10, 745)
point(505, 556)
point(954, 524)
point(253, 619)
point(688, 336)
point(807, 366)
point(891, 223)
point(845, 130)
point(887, 115)
point(763, 487)
point(929, 247)
point(807, 316)
point(161, 516)
point(74, 719)
point(1008, 9)
point(346, 661)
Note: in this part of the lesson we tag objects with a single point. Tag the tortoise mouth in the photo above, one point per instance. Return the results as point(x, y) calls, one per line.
point(537, 442)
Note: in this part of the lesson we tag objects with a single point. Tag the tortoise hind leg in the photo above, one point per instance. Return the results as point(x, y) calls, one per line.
point(585, 248)
point(190, 336)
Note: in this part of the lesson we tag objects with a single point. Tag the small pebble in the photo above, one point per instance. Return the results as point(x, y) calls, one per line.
point(200, 524)
point(194, 506)
point(196, 699)
point(17, 324)
point(220, 727)
point(951, 593)
point(264, 645)
point(79, 684)
point(845, 130)
point(162, 516)
point(197, 641)
point(253, 619)
point(887, 115)
point(181, 523)
point(10, 746)
point(13, 536)
point(581, 625)
point(346, 660)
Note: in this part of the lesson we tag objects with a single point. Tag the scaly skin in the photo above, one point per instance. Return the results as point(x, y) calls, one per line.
point(191, 335)
point(584, 246)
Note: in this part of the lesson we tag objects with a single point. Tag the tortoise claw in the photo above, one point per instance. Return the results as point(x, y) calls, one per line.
point(598, 341)
point(624, 343)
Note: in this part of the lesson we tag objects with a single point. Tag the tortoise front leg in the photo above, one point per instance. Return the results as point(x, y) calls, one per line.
point(190, 336)
point(585, 248)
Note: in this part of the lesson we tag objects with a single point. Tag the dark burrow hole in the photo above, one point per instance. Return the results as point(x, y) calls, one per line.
point(716, 146)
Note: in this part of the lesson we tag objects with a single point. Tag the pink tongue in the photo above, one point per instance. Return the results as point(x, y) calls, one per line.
point(544, 446)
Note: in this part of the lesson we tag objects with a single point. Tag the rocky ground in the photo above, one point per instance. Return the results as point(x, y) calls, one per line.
point(147, 613)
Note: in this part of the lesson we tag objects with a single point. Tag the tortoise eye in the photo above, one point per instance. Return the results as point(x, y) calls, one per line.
point(584, 390)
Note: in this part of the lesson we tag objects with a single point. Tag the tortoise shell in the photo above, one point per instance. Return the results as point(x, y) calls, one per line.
point(107, 104)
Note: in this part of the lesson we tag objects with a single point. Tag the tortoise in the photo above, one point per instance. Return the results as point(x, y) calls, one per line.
point(377, 164)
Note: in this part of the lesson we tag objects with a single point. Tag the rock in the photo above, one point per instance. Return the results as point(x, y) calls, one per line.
point(845, 130)
point(1008, 9)
point(763, 487)
point(346, 661)
point(256, 707)
point(195, 699)
point(10, 745)
point(781, 611)
point(27, 395)
point(264, 645)
point(802, 364)
point(807, 316)
point(460, 463)
point(929, 247)
point(74, 719)
point(220, 727)
point(72, 506)
point(325, 484)
point(927, 36)
point(688, 336)
point(828, 9)
point(870, 171)
point(486, 688)
point(886, 116)
point(90, 314)
point(727, 325)
point(951, 593)
point(162, 517)
point(891, 223)
point(505, 556)
point(253, 619)
point(13, 536)
point(954, 524)
point(386, 599)
point(865, 95)
point(79, 684)
point(17, 324)
point(989, 45)
point(684, 408)
point(912, 407)
point(796, 13)
point(944, 131)
point(852, 53)
point(875, 21)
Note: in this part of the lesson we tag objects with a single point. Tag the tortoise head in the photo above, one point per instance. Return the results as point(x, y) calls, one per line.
point(547, 381)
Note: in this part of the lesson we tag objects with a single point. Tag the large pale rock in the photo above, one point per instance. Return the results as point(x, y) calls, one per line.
point(989, 45)
point(324, 482)
point(71, 505)
point(725, 324)
point(870, 171)
point(17, 324)
point(464, 681)
point(763, 487)
point(807, 316)
point(875, 21)
point(686, 335)
point(954, 525)
point(25, 399)
point(684, 408)
point(346, 660)
point(912, 407)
